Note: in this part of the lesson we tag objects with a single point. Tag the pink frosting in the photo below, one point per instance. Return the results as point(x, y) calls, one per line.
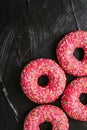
point(48, 113)
point(71, 102)
point(65, 51)
point(30, 75)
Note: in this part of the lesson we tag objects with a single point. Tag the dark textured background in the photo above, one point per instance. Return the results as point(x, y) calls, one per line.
point(30, 29)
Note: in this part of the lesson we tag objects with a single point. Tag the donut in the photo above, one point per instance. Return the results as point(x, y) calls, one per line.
point(48, 113)
point(53, 89)
point(65, 50)
point(71, 99)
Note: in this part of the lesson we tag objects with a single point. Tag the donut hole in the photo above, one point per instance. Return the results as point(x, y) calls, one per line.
point(83, 98)
point(43, 80)
point(79, 53)
point(45, 126)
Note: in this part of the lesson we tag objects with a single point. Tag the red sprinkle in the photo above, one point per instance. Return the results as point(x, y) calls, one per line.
point(52, 90)
point(71, 102)
point(65, 51)
point(48, 113)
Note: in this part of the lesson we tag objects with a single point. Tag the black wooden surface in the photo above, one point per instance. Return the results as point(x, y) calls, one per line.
point(30, 29)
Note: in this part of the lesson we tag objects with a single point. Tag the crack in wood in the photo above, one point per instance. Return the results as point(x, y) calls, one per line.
point(73, 9)
point(8, 100)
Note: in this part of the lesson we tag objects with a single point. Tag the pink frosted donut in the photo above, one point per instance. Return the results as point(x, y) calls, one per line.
point(48, 113)
point(52, 90)
point(71, 102)
point(65, 51)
